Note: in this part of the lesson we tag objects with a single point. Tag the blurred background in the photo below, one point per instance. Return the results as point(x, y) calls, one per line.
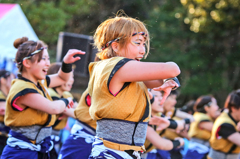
point(201, 36)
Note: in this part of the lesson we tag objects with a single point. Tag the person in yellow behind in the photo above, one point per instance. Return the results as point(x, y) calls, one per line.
point(62, 91)
point(6, 78)
point(30, 111)
point(225, 137)
point(206, 111)
point(119, 97)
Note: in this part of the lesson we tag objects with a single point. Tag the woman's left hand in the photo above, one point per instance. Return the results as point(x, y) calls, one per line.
point(70, 56)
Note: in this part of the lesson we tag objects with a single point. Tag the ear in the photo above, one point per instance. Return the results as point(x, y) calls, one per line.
point(26, 63)
point(206, 108)
point(115, 46)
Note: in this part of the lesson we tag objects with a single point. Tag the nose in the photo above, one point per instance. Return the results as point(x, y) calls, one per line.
point(47, 62)
point(142, 50)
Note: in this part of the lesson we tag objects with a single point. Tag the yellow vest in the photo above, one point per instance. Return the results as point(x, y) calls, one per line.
point(221, 144)
point(82, 111)
point(2, 99)
point(59, 124)
point(28, 116)
point(129, 104)
point(170, 114)
point(197, 132)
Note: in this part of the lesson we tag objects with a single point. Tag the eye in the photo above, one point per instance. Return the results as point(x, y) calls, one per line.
point(136, 43)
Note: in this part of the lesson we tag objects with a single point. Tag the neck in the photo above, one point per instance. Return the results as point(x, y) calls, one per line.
point(59, 91)
point(29, 77)
point(4, 90)
point(235, 116)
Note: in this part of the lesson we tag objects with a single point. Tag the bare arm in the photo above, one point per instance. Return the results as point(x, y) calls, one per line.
point(2, 108)
point(158, 141)
point(146, 71)
point(206, 125)
point(235, 138)
point(184, 115)
point(153, 83)
point(37, 101)
point(69, 112)
point(134, 71)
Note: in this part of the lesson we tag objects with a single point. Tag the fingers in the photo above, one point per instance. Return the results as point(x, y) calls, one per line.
point(76, 59)
point(75, 52)
point(165, 95)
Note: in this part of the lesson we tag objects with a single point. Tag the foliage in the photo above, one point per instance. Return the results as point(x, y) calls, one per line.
point(201, 36)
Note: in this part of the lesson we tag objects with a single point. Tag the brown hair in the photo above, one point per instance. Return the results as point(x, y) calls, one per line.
point(25, 48)
point(233, 100)
point(54, 68)
point(121, 27)
point(201, 102)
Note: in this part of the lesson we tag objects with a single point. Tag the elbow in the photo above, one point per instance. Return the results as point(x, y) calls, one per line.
point(175, 70)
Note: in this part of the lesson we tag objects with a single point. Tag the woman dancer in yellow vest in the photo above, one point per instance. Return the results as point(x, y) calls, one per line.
point(5, 83)
point(30, 111)
point(225, 137)
point(62, 91)
point(119, 96)
point(206, 111)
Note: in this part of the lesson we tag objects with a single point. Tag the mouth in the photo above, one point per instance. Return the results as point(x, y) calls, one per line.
point(138, 59)
point(45, 70)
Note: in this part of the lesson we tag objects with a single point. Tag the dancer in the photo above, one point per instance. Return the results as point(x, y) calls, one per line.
point(155, 145)
point(30, 111)
point(206, 111)
point(62, 91)
point(5, 83)
point(225, 137)
point(119, 100)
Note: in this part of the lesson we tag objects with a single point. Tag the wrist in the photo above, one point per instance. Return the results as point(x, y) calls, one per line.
point(65, 101)
point(174, 79)
point(66, 68)
point(173, 124)
point(176, 143)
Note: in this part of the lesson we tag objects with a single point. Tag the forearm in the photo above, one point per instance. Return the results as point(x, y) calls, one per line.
point(153, 83)
point(56, 107)
point(69, 112)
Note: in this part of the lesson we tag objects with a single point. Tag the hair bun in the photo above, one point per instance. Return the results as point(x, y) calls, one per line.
point(19, 41)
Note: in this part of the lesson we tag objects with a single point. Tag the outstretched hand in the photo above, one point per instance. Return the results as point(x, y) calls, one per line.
point(69, 57)
point(166, 88)
point(161, 122)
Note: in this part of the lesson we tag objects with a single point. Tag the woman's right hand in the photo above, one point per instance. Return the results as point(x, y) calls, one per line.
point(70, 56)
point(166, 88)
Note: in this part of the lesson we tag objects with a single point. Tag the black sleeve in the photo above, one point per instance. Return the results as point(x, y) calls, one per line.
point(225, 130)
point(205, 121)
point(55, 98)
point(115, 69)
point(48, 80)
point(21, 93)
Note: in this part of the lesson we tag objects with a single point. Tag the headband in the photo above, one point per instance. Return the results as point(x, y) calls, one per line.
point(117, 39)
point(30, 55)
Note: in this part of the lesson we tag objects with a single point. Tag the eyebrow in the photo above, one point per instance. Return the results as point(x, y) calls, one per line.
point(139, 40)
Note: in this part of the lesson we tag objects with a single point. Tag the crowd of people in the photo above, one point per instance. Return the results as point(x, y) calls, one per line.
point(127, 111)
